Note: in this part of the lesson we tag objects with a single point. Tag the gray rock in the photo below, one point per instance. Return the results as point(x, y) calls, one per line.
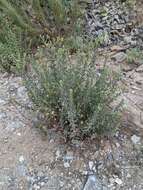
point(69, 156)
point(2, 102)
point(3, 115)
point(135, 139)
point(115, 16)
point(22, 95)
point(21, 92)
point(93, 183)
point(58, 154)
point(119, 57)
point(13, 125)
point(53, 183)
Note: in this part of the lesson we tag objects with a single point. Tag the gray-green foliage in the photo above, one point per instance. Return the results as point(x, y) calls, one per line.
point(11, 58)
point(42, 17)
point(130, 3)
point(32, 20)
point(73, 94)
point(134, 55)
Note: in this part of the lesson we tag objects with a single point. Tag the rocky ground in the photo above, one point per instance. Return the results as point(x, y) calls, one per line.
point(29, 160)
point(114, 21)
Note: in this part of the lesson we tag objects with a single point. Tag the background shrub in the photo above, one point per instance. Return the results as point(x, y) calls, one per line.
point(72, 93)
point(24, 25)
point(36, 18)
point(11, 52)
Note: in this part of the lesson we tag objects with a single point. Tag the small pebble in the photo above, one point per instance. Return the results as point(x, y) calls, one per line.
point(21, 159)
point(118, 181)
point(58, 154)
point(36, 187)
point(66, 165)
point(91, 164)
point(42, 184)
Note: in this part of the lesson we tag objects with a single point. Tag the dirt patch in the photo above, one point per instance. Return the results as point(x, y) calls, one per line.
point(28, 162)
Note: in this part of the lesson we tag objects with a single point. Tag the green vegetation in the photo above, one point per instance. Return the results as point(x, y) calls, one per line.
point(130, 3)
point(42, 17)
point(11, 52)
point(73, 94)
point(134, 55)
point(63, 80)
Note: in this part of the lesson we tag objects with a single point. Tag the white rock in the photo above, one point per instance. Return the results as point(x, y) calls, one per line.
point(21, 159)
point(117, 145)
point(129, 175)
point(118, 181)
point(135, 139)
point(58, 154)
point(91, 164)
point(66, 165)
point(94, 168)
point(42, 184)
point(52, 141)
point(36, 187)
point(2, 101)
point(21, 92)
point(61, 184)
point(84, 172)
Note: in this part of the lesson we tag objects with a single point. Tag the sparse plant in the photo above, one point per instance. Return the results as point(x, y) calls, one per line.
point(130, 3)
point(134, 55)
point(73, 94)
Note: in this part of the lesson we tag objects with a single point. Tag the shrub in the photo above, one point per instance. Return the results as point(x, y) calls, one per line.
point(11, 54)
point(51, 18)
point(130, 3)
point(73, 94)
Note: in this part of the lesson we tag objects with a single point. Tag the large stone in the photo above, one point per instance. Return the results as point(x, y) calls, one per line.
point(135, 139)
point(119, 57)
